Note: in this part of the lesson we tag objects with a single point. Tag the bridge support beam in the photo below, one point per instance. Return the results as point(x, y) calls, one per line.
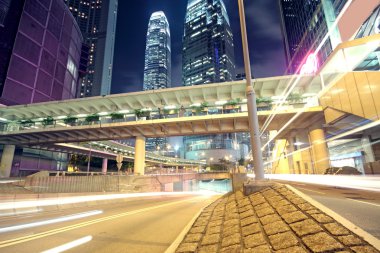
point(140, 155)
point(6, 160)
point(320, 151)
point(104, 166)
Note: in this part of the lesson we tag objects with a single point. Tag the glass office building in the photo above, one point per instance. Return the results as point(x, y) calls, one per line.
point(208, 57)
point(97, 21)
point(304, 27)
point(208, 48)
point(40, 45)
point(157, 68)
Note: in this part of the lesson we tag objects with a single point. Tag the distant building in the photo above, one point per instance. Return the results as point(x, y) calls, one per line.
point(157, 68)
point(97, 21)
point(40, 45)
point(208, 57)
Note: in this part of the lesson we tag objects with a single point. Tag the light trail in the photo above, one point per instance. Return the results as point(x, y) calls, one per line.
point(32, 237)
point(368, 183)
point(69, 245)
point(73, 200)
point(52, 221)
point(289, 86)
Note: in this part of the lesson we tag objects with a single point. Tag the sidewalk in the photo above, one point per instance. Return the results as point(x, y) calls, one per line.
point(273, 220)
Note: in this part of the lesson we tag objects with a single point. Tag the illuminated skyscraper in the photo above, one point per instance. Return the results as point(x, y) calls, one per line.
point(208, 57)
point(97, 21)
point(157, 68)
point(208, 48)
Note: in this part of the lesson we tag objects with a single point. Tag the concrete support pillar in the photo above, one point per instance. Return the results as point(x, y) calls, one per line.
point(140, 155)
point(6, 160)
point(176, 169)
point(320, 151)
point(104, 166)
point(367, 148)
point(290, 150)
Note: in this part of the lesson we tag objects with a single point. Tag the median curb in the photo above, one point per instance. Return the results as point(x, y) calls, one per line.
point(275, 219)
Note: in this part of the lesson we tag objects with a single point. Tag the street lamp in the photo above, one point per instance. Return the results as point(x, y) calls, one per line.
point(251, 100)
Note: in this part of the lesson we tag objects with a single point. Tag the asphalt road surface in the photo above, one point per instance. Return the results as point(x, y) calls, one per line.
point(358, 206)
point(148, 225)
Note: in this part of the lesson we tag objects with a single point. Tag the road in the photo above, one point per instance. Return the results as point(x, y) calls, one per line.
point(358, 206)
point(148, 225)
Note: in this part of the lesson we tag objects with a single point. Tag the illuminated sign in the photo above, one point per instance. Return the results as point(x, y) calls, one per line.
point(310, 66)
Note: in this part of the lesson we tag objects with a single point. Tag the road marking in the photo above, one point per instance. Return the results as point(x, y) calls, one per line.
point(27, 238)
point(69, 245)
point(51, 221)
point(305, 189)
point(364, 202)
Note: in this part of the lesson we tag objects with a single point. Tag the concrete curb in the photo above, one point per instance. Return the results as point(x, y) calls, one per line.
point(348, 224)
point(172, 248)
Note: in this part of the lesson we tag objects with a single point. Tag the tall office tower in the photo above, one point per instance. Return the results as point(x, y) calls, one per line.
point(304, 25)
point(208, 48)
point(40, 48)
point(157, 68)
point(97, 21)
point(208, 57)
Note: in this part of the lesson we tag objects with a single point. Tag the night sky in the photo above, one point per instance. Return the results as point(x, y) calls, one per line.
point(264, 35)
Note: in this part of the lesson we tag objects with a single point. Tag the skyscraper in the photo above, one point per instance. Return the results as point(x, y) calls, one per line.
point(157, 68)
point(97, 21)
point(304, 25)
point(208, 57)
point(208, 48)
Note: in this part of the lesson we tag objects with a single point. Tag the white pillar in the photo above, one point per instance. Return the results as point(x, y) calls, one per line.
point(6, 160)
point(369, 156)
point(104, 166)
point(140, 155)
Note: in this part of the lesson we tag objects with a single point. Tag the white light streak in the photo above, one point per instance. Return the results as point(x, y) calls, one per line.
point(48, 222)
point(69, 245)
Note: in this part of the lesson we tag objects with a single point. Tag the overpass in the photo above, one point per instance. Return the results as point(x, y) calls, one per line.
point(195, 110)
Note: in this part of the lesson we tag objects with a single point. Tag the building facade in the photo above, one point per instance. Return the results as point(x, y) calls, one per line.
point(157, 67)
point(40, 49)
point(208, 57)
point(40, 45)
point(208, 48)
point(304, 26)
point(97, 21)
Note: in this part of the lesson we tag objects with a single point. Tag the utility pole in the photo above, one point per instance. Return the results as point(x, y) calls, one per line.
point(251, 100)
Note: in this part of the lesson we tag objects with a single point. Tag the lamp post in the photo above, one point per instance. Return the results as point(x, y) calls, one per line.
point(251, 100)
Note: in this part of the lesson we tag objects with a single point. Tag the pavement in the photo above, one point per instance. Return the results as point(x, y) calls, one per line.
point(275, 219)
point(358, 206)
point(148, 224)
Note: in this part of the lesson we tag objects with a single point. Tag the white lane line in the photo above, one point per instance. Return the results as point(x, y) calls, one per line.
point(47, 222)
point(364, 202)
point(305, 189)
point(69, 245)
